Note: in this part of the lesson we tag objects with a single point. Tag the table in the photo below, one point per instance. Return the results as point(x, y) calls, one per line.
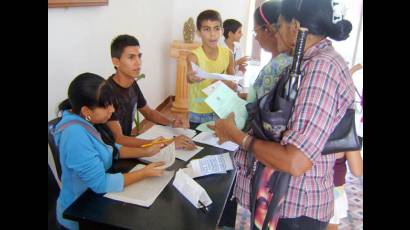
point(171, 210)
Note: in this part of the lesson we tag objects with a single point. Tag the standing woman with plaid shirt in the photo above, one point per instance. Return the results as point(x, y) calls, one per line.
point(326, 91)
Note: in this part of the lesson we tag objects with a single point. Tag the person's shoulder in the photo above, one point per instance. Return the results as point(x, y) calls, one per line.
point(224, 49)
point(225, 52)
point(111, 82)
point(135, 85)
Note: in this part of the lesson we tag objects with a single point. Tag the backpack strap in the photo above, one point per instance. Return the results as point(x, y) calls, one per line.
point(89, 129)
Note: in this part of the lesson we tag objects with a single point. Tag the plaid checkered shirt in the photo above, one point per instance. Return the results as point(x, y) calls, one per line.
point(325, 93)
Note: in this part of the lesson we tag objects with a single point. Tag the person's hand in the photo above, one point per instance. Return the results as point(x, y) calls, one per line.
point(340, 155)
point(191, 77)
point(224, 127)
point(231, 85)
point(177, 123)
point(184, 142)
point(243, 60)
point(242, 68)
point(154, 169)
point(153, 149)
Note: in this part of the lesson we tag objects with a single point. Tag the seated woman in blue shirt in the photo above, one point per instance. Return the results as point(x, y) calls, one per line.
point(84, 157)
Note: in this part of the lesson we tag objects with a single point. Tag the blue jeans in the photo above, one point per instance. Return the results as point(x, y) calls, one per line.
point(196, 119)
point(61, 227)
point(301, 223)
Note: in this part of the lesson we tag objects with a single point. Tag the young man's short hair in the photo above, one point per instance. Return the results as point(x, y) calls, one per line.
point(231, 25)
point(119, 43)
point(211, 15)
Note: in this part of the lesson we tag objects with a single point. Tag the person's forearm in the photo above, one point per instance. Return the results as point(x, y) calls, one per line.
point(274, 155)
point(132, 177)
point(127, 152)
point(131, 141)
point(159, 118)
point(355, 161)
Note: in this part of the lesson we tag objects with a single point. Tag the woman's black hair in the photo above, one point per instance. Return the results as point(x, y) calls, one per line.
point(270, 10)
point(316, 15)
point(90, 90)
point(231, 25)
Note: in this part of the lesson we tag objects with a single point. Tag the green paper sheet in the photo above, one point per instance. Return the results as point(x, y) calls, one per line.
point(223, 101)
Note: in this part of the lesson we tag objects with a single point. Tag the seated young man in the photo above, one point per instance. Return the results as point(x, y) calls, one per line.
point(126, 57)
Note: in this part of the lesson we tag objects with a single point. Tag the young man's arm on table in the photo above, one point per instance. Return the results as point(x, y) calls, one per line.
point(121, 139)
point(155, 116)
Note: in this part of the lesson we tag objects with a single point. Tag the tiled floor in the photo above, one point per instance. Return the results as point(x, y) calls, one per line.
point(354, 190)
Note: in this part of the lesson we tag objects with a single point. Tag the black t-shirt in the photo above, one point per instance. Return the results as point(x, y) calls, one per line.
point(128, 101)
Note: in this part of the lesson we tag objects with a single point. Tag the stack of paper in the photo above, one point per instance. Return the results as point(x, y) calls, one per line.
point(210, 139)
point(166, 132)
point(223, 101)
point(137, 193)
point(212, 164)
point(166, 155)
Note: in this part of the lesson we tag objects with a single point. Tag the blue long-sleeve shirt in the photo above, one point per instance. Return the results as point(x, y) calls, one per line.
point(84, 161)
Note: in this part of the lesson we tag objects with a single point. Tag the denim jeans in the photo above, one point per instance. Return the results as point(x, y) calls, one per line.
point(196, 119)
point(61, 227)
point(301, 223)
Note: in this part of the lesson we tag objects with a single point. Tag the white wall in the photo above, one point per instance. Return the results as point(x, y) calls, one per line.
point(79, 40)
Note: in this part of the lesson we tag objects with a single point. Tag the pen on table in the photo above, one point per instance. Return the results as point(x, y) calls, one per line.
point(157, 142)
point(204, 208)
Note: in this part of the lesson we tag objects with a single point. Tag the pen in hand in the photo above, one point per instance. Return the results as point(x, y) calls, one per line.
point(157, 142)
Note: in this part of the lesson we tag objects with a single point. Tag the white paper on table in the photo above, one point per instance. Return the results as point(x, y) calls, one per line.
point(210, 88)
point(166, 132)
point(210, 139)
point(190, 189)
point(185, 155)
point(166, 154)
point(211, 164)
point(217, 76)
point(137, 193)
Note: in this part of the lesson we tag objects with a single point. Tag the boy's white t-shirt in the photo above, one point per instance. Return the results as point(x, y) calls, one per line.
point(237, 50)
point(237, 53)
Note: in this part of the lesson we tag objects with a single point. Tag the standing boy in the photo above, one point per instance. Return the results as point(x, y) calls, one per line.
point(213, 59)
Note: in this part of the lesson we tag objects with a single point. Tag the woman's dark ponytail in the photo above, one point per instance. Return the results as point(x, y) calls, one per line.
point(341, 30)
point(64, 105)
